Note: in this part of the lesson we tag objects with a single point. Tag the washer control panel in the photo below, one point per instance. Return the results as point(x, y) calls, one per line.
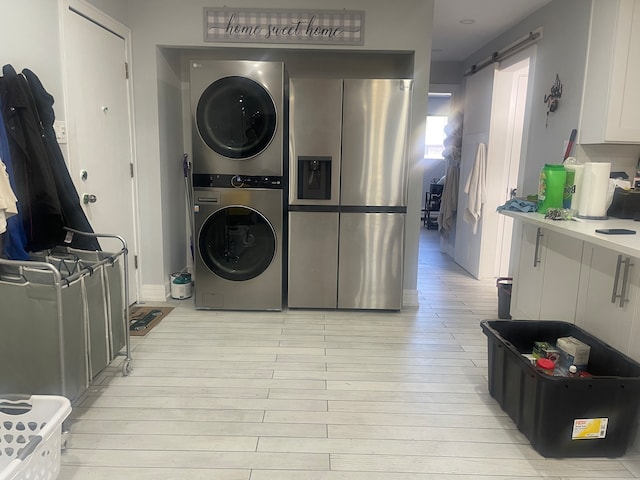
point(237, 181)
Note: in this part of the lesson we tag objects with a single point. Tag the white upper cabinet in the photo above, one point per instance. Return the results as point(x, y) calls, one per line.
point(611, 97)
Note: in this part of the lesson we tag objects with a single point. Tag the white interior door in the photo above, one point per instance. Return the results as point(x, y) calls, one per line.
point(99, 124)
point(516, 84)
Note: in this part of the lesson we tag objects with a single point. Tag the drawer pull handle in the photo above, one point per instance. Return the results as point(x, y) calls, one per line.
point(625, 281)
point(536, 253)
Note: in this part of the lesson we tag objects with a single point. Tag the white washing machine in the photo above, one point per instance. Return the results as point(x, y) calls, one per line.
point(238, 231)
point(238, 117)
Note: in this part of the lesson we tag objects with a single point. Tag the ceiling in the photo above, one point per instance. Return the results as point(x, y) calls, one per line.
point(454, 41)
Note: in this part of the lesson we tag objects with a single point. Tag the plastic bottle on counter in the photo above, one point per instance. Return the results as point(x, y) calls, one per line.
point(551, 187)
point(573, 371)
point(570, 184)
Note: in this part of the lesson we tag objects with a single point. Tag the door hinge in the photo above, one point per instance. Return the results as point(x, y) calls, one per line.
point(126, 71)
point(131, 169)
point(135, 261)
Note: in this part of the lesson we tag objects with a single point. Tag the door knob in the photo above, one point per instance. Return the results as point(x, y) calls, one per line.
point(88, 198)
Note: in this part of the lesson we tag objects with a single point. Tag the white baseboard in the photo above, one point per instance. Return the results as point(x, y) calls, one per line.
point(410, 298)
point(153, 293)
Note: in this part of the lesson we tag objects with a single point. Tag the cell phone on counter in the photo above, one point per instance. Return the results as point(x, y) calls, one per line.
point(615, 231)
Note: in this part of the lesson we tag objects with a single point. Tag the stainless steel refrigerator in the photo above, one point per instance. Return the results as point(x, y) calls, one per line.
point(347, 192)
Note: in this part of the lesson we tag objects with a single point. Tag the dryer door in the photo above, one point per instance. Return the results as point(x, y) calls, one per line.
point(237, 243)
point(236, 117)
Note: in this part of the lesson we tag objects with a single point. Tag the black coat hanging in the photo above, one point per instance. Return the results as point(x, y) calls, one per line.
point(35, 186)
point(72, 213)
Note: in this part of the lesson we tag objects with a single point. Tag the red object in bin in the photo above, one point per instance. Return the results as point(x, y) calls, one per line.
point(546, 365)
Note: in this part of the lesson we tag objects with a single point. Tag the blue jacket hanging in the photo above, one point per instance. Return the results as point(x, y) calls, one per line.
point(15, 239)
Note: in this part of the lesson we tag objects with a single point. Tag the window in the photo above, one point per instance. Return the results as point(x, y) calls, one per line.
point(438, 110)
point(434, 137)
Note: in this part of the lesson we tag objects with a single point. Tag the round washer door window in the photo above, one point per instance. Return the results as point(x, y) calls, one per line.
point(237, 243)
point(236, 117)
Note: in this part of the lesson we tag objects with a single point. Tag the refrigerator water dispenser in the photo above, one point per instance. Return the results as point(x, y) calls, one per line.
point(314, 178)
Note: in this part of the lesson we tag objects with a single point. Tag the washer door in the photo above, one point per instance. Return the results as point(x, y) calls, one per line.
point(236, 117)
point(237, 243)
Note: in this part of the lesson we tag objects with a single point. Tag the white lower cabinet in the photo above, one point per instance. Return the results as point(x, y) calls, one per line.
point(608, 297)
point(545, 284)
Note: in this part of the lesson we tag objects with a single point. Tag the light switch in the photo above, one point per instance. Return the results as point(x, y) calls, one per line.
point(60, 128)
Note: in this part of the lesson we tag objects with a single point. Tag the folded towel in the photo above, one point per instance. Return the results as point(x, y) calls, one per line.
point(518, 205)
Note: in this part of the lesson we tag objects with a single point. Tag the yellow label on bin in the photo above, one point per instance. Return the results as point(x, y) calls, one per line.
point(586, 428)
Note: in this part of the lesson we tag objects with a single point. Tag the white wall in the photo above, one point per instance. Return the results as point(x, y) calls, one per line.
point(167, 23)
point(170, 129)
point(446, 73)
point(30, 38)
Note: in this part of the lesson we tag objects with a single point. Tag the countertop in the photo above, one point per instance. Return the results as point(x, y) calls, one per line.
point(586, 230)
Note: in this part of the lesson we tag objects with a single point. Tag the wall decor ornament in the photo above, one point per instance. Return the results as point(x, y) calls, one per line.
point(336, 27)
point(552, 98)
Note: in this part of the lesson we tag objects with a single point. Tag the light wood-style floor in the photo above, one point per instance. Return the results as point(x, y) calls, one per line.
point(316, 395)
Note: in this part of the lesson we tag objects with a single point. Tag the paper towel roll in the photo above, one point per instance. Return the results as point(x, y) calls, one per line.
point(577, 185)
point(595, 186)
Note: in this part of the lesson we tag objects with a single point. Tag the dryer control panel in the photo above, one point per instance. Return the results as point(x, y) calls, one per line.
point(237, 181)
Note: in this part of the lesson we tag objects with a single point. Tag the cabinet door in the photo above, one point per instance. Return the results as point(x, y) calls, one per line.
point(611, 98)
point(546, 283)
point(623, 116)
point(562, 263)
point(527, 280)
point(607, 276)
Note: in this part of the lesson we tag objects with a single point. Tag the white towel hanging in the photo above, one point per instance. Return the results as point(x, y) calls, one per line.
point(449, 202)
point(476, 189)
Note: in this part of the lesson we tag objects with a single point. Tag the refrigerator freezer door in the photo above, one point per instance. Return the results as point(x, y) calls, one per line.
point(315, 129)
point(371, 260)
point(374, 142)
point(313, 259)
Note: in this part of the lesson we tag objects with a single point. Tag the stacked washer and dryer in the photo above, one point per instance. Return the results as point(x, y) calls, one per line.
point(237, 174)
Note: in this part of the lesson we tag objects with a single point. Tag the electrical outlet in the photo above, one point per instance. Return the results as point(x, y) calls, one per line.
point(60, 128)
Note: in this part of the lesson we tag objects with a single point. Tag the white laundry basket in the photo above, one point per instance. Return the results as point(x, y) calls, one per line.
point(30, 436)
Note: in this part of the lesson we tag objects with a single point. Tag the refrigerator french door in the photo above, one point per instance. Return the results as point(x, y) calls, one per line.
point(347, 195)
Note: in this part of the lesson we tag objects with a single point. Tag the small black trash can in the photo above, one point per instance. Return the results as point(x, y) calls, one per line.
point(504, 285)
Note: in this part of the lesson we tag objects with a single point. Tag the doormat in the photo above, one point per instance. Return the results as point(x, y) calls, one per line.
point(143, 319)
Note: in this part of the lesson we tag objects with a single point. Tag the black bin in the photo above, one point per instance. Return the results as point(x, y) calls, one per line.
point(504, 285)
point(561, 416)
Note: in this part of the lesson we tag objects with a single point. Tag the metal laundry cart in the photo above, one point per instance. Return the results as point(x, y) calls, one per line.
point(65, 317)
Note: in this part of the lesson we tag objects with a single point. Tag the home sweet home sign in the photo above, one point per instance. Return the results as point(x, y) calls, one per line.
point(335, 27)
